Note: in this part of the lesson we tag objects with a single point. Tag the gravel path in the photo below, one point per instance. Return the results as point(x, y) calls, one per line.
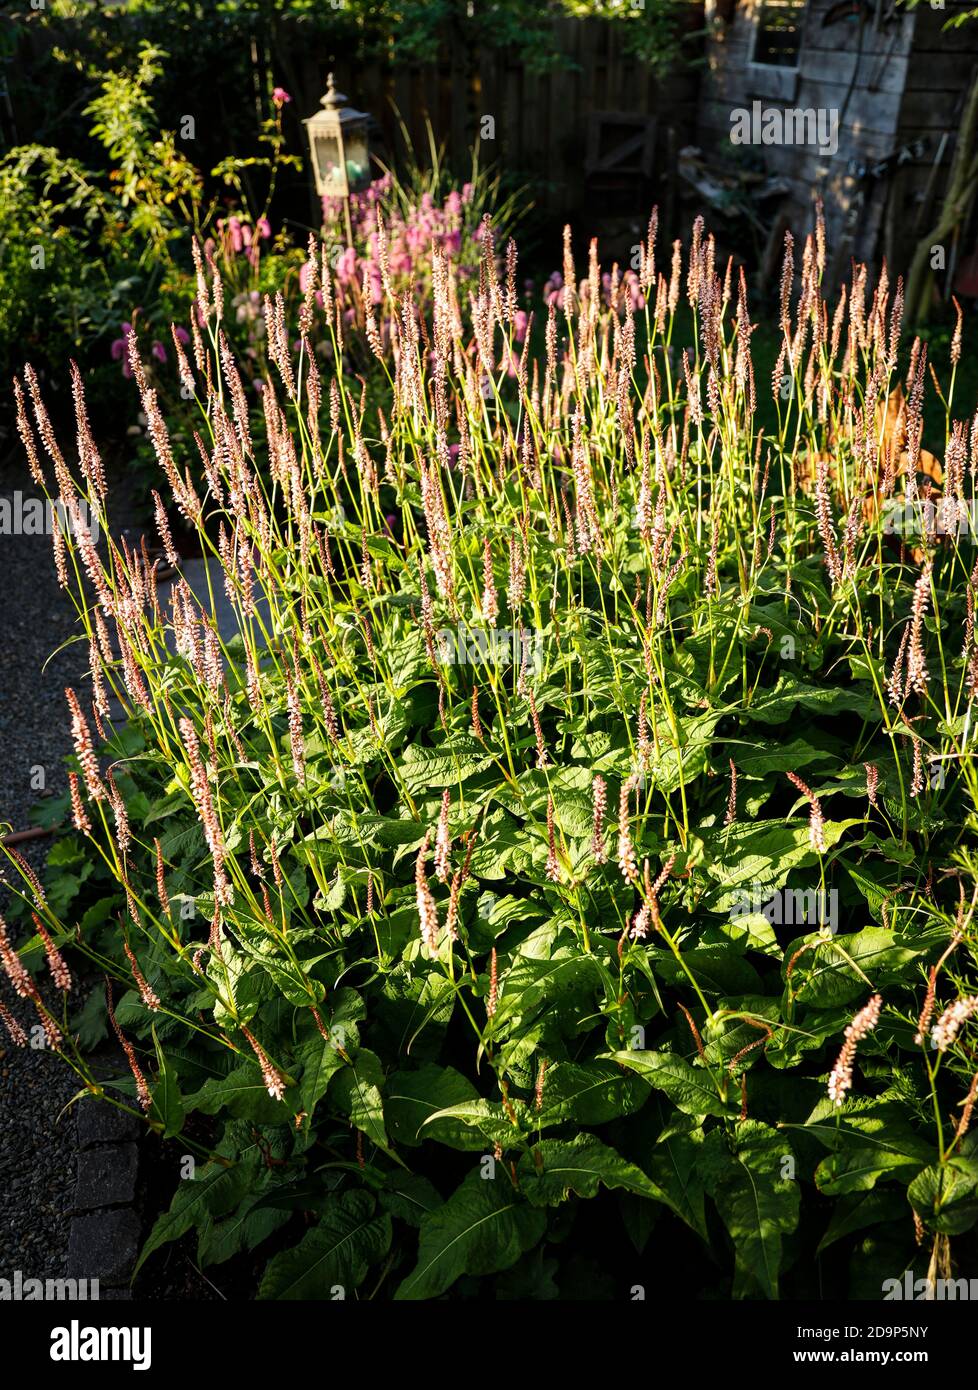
point(37, 1136)
point(37, 1141)
point(37, 1157)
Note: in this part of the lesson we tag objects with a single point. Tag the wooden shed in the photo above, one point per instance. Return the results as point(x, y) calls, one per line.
point(897, 81)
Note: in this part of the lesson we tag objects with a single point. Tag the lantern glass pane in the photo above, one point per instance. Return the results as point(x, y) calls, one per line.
point(329, 170)
point(357, 153)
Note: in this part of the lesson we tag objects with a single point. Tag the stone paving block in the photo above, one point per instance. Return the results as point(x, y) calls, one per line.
point(102, 1245)
point(106, 1177)
point(98, 1122)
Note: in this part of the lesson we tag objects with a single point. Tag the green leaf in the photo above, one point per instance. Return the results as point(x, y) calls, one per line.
point(870, 1140)
point(246, 1229)
point(871, 888)
point(775, 706)
point(320, 1061)
point(485, 1118)
point(860, 1210)
point(716, 969)
point(242, 1094)
point(567, 980)
point(556, 1167)
point(91, 1023)
point(412, 1097)
point(946, 1196)
point(485, 1226)
point(209, 1193)
point(761, 759)
point(588, 1093)
point(675, 1166)
point(409, 1196)
point(257, 943)
point(336, 1253)
point(756, 858)
point(167, 1101)
point(859, 1169)
point(444, 766)
point(690, 1088)
point(828, 976)
point(356, 1090)
point(757, 1205)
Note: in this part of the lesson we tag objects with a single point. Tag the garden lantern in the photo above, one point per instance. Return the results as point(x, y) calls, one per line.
point(340, 149)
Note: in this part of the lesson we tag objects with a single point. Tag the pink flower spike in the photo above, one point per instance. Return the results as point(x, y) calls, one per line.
point(840, 1078)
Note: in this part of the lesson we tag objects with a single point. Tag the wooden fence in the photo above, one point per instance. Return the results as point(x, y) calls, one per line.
point(541, 121)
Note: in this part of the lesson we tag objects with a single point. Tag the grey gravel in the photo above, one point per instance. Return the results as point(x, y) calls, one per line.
point(37, 1140)
point(37, 1161)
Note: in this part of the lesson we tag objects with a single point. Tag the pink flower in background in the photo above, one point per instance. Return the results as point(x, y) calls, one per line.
point(410, 235)
point(182, 335)
point(264, 228)
point(234, 231)
point(158, 350)
point(120, 350)
point(346, 264)
point(418, 237)
point(553, 291)
point(519, 325)
point(280, 97)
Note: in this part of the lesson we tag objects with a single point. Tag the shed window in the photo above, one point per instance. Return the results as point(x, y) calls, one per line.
point(778, 36)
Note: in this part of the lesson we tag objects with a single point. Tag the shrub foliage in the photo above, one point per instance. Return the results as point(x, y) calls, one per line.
point(559, 798)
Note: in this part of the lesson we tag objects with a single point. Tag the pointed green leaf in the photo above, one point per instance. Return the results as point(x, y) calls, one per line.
point(337, 1252)
point(690, 1088)
point(555, 1167)
point(757, 1204)
point(483, 1227)
point(209, 1193)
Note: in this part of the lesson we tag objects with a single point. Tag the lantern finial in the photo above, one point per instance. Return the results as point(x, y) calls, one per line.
point(333, 99)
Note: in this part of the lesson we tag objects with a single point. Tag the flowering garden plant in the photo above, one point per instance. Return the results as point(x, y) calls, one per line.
point(397, 224)
point(577, 817)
